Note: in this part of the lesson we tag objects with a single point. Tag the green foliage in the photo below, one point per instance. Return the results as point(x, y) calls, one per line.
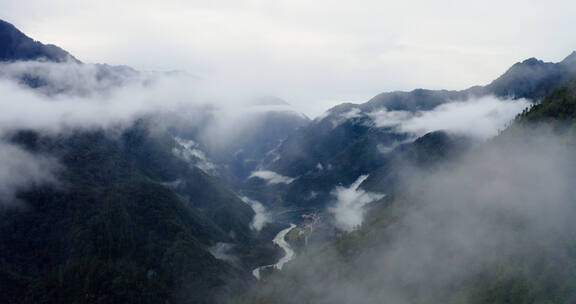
point(107, 233)
point(558, 106)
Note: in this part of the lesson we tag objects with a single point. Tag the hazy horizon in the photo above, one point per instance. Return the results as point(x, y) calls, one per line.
point(314, 55)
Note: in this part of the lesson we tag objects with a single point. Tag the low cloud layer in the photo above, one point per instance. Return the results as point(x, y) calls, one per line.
point(67, 97)
point(301, 50)
point(348, 209)
point(479, 117)
point(189, 151)
point(20, 169)
point(272, 177)
point(223, 251)
point(47, 112)
point(51, 78)
point(503, 214)
point(261, 215)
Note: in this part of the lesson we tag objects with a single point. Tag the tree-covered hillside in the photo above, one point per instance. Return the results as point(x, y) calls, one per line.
point(494, 224)
point(110, 230)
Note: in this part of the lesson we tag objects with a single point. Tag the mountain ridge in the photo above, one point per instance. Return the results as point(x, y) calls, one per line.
point(15, 45)
point(131, 222)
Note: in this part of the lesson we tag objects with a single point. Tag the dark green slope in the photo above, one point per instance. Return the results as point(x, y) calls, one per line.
point(153, 153)
point(112, 229)
point(559, 106)
point(127, 221)
point(109, 232)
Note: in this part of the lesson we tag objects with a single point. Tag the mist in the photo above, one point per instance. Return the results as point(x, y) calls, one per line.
point(59, 98)
point(56, 114)
point(478, 117)
point(349, 206)
point(20, 169)
point(71, 78)
point(314, 56)
point(504, 209)
point(261, 215)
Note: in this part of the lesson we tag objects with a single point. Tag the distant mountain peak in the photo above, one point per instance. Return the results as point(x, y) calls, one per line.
point(15, 45)
point(571, 59)
point(532, 61)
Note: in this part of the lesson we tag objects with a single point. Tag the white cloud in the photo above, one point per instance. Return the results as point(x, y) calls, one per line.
point(73, 79)
point(223, 251)
point(336, 121)
point(488, 217)
point(77, 100)
point(353, 113)
point(20, 169)
point(189, 151)
point(272, 177)
point(348, 209)
point(385, 118)
point(479, 117)
point(261, 215)
point(24, 108)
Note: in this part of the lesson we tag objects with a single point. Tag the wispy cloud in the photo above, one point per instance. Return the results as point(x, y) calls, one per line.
point(74, 97)
point(503, 211)
point(357, 51)
point(272, 177)
point(20, 169)
point(348, 209)
point(261, 215)
point(478, 117)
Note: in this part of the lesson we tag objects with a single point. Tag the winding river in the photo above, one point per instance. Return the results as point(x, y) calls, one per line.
point(279, 240)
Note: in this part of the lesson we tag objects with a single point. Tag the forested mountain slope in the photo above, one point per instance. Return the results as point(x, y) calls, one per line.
point(492, 225)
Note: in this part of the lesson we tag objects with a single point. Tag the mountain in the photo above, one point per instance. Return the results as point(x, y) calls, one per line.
point(266, 131)
point(533, 78)
point(33, 64)
point(153, 153)
point(161, 208)
point(558, 107)
point(346, 141)
point(126, 220)
point(110, 231)
point(491, 224)
point(15, 45)
point(231, 143)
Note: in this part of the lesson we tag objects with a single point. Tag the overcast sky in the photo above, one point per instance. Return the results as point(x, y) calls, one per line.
point(313, 53)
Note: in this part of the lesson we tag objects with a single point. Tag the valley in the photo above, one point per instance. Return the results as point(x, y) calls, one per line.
point(127, 186)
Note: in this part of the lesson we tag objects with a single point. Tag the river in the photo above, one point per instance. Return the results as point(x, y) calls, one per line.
point(279, 240)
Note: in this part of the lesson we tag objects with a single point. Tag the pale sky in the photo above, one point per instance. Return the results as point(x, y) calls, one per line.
point(314, 53)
